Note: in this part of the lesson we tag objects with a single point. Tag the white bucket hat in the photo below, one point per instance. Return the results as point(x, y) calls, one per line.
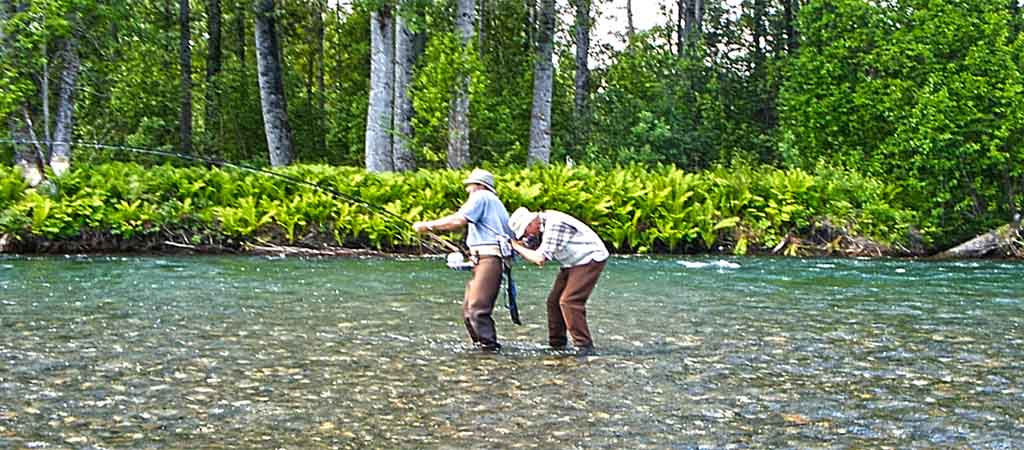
point(519, 220)
point(481, 177)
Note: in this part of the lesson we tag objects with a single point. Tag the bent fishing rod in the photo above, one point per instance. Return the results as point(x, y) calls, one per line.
point(512, 290)
point(243, 167)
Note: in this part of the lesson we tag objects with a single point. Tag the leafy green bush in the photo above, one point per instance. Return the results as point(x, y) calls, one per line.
point(634, 208)
point(928, 95)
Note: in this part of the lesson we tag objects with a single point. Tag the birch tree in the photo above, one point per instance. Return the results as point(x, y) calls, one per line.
point(543, 83)
point(458, 119)
point(272, 97)
point(405, 59)
point(379, 152)
point(60, 160)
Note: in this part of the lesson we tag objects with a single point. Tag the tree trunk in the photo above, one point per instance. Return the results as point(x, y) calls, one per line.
point(458, 119)
point(581, 109)
point(243, 84)
point(759, 74)
point(789, 9)
point(272, 98)
point(1015, 19)
point(531, 25)
point(543, 83)
point(405, 60)
point(240, 34)
point(5, 6)
point(681, 31)
point(29, 154)
point(691, 16)
point(481, 29)
point(759, 34)
point(321, 112)
point(213, 64)
point(698, 16)
point(630, 30)
point(379, 153)
point(60, 161)
point(185, 121)
point(45, 97)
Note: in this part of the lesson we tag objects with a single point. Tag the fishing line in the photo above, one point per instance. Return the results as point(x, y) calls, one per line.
point(294, 180)
point(512, 290)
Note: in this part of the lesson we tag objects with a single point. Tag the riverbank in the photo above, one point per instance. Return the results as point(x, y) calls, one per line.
point(828, 242)
point(1005, 243)
point(177, 244)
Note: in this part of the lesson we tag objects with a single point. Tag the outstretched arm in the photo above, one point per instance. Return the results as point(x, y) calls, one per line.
point(530, 255)
point(446, 223)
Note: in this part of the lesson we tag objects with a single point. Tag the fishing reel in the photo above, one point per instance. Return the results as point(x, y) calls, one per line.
point(531, 241)
point(457, 261)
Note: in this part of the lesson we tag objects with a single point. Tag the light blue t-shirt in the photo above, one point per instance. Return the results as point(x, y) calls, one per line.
point(487, 218)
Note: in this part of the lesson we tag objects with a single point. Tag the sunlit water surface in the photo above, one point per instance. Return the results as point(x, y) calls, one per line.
point(217, 352)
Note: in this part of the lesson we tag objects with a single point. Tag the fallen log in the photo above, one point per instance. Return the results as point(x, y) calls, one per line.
point(1005, 241)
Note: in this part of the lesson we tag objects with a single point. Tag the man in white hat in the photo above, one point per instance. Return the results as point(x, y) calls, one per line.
point(582, 255)
point(488, 234)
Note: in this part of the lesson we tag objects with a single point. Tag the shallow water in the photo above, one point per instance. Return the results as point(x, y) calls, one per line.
point(218, 352)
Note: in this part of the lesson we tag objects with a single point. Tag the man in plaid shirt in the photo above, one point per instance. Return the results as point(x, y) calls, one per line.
point(582, 256)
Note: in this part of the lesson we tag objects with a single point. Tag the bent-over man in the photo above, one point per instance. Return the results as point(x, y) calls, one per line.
point(582, 256)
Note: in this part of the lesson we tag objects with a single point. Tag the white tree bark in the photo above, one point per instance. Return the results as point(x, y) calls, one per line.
point(543, 83)
point(458, 119)
point(60, 160)
point(29, 154)
point(272, 97)
point(405, 59)
point(379, 126)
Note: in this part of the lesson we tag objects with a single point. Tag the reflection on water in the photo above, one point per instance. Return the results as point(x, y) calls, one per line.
point(354, 353)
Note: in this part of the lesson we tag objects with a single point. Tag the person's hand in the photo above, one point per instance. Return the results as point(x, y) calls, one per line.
point(422, 227)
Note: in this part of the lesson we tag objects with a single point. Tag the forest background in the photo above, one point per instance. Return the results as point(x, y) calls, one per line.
point(914, 108)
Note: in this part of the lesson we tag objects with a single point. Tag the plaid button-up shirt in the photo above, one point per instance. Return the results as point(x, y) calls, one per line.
point(556, 237)
point(569, 241)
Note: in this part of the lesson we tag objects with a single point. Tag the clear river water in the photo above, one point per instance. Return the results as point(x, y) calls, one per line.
point(252, 352)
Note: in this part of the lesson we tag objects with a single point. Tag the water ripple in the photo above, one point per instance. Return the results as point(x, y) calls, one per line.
point(129, 352)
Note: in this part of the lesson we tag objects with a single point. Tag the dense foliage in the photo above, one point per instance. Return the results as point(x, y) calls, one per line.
point(633, 208)
point(927, 95)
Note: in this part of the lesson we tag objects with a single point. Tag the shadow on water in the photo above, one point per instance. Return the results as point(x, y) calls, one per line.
point(212, 352)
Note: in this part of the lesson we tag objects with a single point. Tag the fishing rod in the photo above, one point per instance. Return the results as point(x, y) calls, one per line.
point(217, 162)
point(512, 290)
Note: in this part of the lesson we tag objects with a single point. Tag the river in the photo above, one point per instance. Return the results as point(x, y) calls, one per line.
point(251, 352)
